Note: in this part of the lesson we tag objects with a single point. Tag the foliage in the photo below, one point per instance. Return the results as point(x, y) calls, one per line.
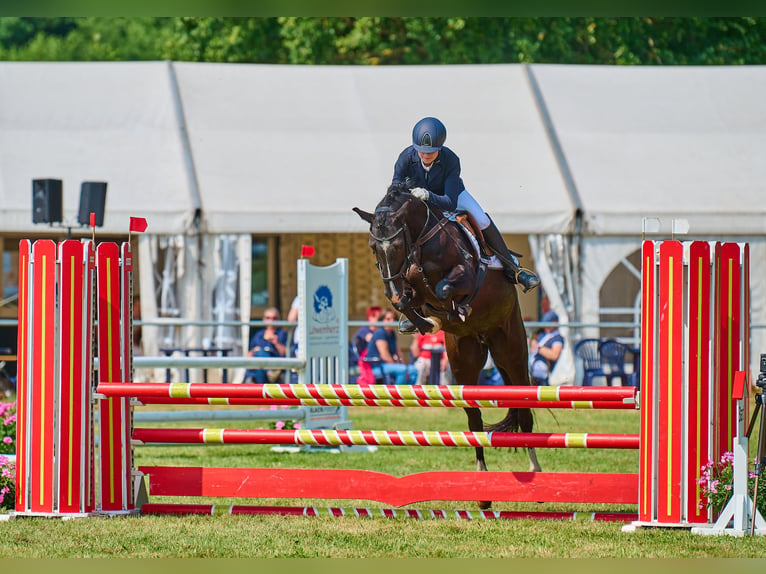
point(717, 483)
point(7, 428)
point(390, 40)
point(7, 483)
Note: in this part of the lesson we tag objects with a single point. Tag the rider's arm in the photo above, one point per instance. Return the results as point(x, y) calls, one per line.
point(453, 185)
point(403, 166)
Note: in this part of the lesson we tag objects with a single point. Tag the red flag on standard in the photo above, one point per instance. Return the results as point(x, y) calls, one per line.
point(307, 251)
point(138, 224)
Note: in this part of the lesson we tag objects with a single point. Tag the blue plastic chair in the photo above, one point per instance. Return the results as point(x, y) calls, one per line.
point(612, 355)
point(587, 350)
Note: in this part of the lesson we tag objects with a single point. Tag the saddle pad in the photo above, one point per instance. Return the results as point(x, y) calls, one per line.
point(492, 262)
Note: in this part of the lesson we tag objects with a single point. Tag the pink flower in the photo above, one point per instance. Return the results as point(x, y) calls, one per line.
point(280, 425)
point(7, 440)
point(296, 426)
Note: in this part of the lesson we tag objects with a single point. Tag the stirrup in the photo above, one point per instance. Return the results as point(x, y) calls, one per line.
point(527, 279)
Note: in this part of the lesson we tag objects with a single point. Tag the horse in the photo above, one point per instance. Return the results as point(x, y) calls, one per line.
point(427, 261)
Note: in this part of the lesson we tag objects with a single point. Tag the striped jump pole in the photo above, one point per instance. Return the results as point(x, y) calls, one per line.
point(695, 334)
point(505, 404)
point(438, 393)
point(383, 438)
point(55, 429)
point(417, 514)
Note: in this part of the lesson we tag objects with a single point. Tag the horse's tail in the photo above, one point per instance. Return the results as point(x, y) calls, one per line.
point(515, 420)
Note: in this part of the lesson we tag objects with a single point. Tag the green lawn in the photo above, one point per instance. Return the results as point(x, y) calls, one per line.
point(350, 537)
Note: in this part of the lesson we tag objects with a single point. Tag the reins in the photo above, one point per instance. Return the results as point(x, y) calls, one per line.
point(413, 248)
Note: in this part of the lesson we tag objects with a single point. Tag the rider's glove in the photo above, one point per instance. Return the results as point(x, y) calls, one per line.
point(420, 193)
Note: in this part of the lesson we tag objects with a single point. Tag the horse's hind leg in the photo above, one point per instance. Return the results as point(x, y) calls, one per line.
point(467, 356)
point(475, 424)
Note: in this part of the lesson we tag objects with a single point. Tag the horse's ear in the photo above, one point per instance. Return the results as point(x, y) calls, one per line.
point(368, 217)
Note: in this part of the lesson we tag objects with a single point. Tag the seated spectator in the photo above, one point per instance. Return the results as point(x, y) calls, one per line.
point(544, 350)
point(422, 346)
point(364, 334)
point(271, 341)
point(383, 350)
point(359, 342)
point(489, 374)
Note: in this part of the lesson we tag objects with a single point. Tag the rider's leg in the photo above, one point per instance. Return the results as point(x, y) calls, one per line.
point(511, 266)
point(495, 241)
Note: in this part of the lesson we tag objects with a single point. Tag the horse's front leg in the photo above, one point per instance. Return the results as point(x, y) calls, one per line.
point(456, 281)
point(423, 324)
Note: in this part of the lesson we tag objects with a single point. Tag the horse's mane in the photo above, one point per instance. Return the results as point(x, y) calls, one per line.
point(397, 194)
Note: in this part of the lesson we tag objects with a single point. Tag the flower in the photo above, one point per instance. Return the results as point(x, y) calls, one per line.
point(7, 483)
point(7, 428)
point(716, 484)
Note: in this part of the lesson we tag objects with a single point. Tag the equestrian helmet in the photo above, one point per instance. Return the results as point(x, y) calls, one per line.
point(428, 135)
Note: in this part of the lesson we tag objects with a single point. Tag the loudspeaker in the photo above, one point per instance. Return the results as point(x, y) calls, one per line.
point(92, 200)
point(46, 200)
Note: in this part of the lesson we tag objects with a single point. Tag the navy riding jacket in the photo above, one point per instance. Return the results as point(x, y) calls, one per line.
point(443, 180)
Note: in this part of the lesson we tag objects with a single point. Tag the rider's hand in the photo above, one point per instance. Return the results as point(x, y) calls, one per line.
point(420, 193)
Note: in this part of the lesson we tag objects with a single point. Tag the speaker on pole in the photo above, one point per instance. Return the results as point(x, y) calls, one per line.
point(46, 201)
point(92, 200)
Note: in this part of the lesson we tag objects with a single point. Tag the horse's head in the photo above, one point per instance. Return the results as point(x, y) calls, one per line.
point(395, 225)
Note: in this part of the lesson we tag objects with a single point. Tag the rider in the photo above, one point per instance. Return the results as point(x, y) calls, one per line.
point(435, 172)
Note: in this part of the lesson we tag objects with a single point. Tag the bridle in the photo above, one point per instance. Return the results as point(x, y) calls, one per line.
point(411, 248)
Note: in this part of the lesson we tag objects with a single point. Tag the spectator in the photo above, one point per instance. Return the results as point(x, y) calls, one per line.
point(421, 349)
point(360, 341)
point(544, 350)
point(271, 341)
point(292, 315)
point(364, 334)
point(382, 351)
point(489, 374)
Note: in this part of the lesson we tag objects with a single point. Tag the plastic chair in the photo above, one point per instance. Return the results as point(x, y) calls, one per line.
point(612, 355)
point(587, 350)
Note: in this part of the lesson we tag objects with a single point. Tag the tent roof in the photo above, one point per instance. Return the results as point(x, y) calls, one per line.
point(281, 149)
point(112, 122)
point(294, 148)
point(673, 142)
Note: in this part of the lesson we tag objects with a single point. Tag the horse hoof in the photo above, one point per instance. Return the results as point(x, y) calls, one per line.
point(484, 504)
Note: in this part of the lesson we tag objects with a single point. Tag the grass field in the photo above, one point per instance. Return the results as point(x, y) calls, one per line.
point(352, 537)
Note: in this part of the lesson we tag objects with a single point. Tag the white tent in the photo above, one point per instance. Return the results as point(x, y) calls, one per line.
point(93, 122)
point(283, 149)
point(665, 142)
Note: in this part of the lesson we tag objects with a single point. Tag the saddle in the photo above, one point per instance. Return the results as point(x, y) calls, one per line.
point(473, 233)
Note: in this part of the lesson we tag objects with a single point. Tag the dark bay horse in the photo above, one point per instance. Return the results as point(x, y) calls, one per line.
point(427, 262)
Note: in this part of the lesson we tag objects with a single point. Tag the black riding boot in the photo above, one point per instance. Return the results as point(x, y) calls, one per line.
point(513, 272)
